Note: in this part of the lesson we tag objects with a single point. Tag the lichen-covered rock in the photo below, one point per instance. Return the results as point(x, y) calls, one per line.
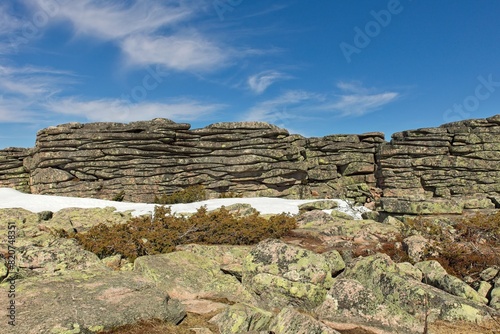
point(89, 301)
point(434, 206)
point(314, 218)
point(113, 262)
point(355, 229)
point(62, 255)
point(489, 273)
point(409, 270)
point(318, 205)
point(280, 275)
point(375, 292)
point(495, 296)
point(81, 220)
point(242, 318)
point(290, 321)
point(250, 158)
point(4, 271)
point(26, 223)
point(188, 276)
point(436, 275)
point(335, 261)
point(230, 258)
point(13, 173)
point(484, 289)
point(415, 246)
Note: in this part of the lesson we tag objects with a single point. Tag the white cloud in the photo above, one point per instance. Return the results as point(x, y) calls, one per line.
point(282, 107)
point(8, 26)
point(23, 89)
point(14, 110)
point(358, 105)
point(258, 83)
point(358, 100)
point(175, 52)
point(32, 82)
point(114, 19)
point(8, 23)
point(115, 110)
point(298, 104)
point(148, 31)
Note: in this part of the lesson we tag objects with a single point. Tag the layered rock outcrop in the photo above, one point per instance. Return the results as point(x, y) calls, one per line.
point(443, 170)
point(13, 174)
point(160, 156)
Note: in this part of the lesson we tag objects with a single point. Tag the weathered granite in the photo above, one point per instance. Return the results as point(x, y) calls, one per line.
point(159, 156)
point(13, 174)
point(445, 170)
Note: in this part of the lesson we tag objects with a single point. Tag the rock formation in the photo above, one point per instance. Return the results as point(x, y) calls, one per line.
point(274, 286)
point(443, 170)
point(160, 156)
point(13, 174)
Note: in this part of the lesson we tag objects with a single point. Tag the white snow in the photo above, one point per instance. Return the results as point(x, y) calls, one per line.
point(10, 198)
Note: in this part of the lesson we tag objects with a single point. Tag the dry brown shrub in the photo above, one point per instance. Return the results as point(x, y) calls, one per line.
point(189, 195)
point(148, 236)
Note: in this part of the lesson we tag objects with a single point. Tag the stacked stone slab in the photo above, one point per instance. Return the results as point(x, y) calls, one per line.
point(145, 159)
point(12, 172)
point(443, 170)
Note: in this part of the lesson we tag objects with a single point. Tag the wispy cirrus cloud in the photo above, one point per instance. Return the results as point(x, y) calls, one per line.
point(258, 83)
point(149, 32)
point(16, 110)
point(117, 110)
point(357, 100)
point(286, 106)
point(111, 20)
point(32, 82)
point(23, 89)
point(352, 99)
point(179, 52)
point(30, 95)
point(8, 22)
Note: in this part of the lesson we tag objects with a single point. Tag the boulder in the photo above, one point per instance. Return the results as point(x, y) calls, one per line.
point(484, 289)
point(88, 301)
point(318, 205)
point(340, 214)
point(411, 207)
point(495, 296)
point(291, 321)
point(314, 218)
point(230, 258)
point(436, 275)
point(489, 273)
point(82, 220)
point(280, 275)
point(415, 246)
point(60, 256)
point(242, 318)
point(374, 292)
point(351, 228)
point(4, 271)
point(188, 276)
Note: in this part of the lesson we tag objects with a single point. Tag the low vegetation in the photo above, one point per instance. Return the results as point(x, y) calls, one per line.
point(161, 234)
point(189, 195)
point(464, 248)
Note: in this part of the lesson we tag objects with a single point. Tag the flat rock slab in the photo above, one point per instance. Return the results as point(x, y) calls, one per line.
point(188, 276)
point(89, 302)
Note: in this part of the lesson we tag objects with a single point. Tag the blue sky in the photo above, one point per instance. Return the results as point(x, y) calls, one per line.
point(314, 67)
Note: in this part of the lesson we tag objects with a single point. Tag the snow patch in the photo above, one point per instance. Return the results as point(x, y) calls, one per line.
point(10, 198)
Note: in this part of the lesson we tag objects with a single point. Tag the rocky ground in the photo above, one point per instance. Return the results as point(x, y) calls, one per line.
point(313, 281)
